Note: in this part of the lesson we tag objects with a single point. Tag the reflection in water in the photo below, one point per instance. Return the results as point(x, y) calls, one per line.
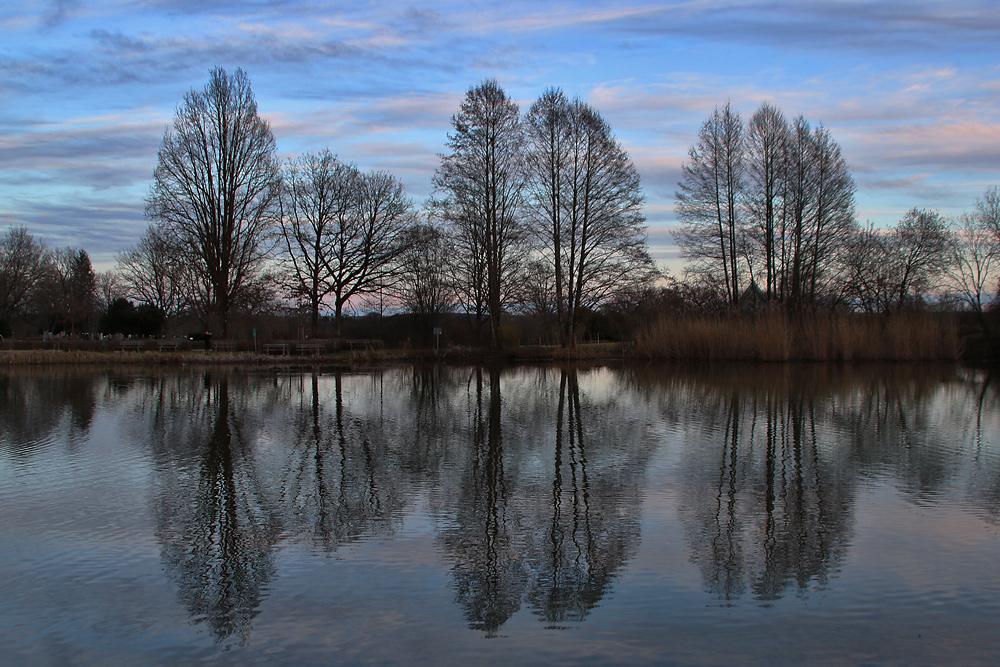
point(774, 456)
point(34, 405)
point(594, 525)
point(490, 575)
point(342, 481)
point(552, 534)
point(215, 523)
point(534, 479)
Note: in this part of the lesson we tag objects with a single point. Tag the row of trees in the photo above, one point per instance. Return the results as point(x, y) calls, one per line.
point(540, 212)
point(768, 203)
point(55, 290)
point(768, 214)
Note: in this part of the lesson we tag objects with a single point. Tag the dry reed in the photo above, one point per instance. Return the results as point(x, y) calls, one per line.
point(776, 336)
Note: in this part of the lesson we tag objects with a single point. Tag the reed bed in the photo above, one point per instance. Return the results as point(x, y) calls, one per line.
point(776, 336)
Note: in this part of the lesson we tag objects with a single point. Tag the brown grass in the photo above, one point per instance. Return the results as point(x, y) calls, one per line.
point(46, 357)
point(775, 336)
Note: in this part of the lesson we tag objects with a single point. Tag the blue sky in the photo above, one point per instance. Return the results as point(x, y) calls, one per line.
point(910, 90)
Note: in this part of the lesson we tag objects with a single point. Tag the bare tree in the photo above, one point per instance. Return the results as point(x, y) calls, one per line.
point(866, 272)
point(886, 270)
point(108, 287)
point(921, 241)
point(22, 266)
point(773, 205)
point(364, 247)
point(973, 262)
point(766, 140)
point(833, 213)
point(69, 290)
point(155, 272)
point(215, 188)
point(318, 194)
point(482, 181)
point(423, 287)
point(708, 200)
point(585, 202)
point(988, 211)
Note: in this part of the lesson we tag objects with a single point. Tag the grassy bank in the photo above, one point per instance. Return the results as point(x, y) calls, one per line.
point(46, 357)
point(765, 336)
point(775, 336)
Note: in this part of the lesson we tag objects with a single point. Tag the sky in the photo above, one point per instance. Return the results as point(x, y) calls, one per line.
point(910, 90)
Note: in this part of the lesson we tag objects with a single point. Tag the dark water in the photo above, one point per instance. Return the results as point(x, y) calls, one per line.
point(541, 515)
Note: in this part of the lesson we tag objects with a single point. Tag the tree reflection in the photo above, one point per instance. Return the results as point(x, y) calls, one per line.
point(344, 482)
point(34, 405)
point(768, 504)
point(594, 525)
point(773, 456)
point(216, 526)
point(490, 574)
point(551, 537)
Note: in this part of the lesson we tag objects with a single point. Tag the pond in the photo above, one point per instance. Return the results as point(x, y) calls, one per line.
point(741, 514)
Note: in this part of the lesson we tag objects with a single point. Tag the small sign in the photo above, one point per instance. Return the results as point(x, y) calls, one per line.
point(437, 331)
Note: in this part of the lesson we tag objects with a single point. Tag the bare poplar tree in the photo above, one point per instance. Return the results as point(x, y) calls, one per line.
point(766, 139)
point(833, 213)
point(155, 272)
point(215, 188)
point(585, 203)
point(800, 202)
point(708, 200)
point(481, 180)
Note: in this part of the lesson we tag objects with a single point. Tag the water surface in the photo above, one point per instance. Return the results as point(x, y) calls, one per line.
point(654, 514)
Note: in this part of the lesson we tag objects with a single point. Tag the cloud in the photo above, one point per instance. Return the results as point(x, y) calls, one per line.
point(98, 154)
point(58, 11)
point(101, 226)
point(820, 25)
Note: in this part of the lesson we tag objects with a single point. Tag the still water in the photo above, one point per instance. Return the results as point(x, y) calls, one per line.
point(558, 515)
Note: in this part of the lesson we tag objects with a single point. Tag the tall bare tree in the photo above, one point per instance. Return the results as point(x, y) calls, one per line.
point(833, 213)
point(482, 181)
point(215, 188)
point(766, 139)
point(708, 202)
point(585, 202)
point(773, 204)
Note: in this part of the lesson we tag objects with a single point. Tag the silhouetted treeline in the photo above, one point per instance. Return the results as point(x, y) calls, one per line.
point(534, 233)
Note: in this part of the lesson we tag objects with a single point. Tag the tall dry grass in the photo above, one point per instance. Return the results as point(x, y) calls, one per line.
point(775, 336)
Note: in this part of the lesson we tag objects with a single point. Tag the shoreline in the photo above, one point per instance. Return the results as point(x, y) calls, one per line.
point(604, 352)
